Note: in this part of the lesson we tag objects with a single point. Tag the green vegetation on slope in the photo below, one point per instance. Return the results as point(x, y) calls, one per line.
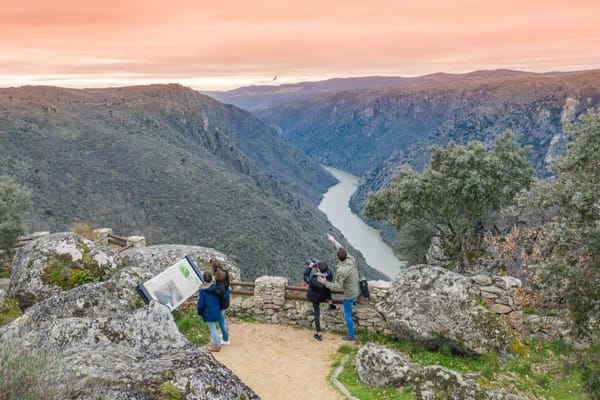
point(167, 163)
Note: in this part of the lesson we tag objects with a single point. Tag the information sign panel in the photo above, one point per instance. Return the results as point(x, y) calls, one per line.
point(174, 285)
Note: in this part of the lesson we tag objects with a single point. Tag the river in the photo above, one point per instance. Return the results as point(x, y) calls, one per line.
point(360, 235)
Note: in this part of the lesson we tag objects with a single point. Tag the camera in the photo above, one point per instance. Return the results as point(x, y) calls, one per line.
point(311, 260)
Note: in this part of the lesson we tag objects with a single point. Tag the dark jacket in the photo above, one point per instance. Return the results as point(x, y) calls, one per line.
point(208, 304)
point(222, 291)
point(317, 292)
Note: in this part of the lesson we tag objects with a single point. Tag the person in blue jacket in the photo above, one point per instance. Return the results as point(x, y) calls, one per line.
point(222, 291)
point(317, 292)
point(210, 311)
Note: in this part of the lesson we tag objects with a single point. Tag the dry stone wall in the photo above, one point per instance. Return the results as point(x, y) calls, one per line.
point(269, 304)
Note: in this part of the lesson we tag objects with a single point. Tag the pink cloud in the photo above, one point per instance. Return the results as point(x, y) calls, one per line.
point(200, 40)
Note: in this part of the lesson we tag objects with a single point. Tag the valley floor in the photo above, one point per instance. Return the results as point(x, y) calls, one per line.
point(281, 362)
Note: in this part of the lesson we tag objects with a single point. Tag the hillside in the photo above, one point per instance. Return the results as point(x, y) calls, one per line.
point(168, 163)
point(372, 124)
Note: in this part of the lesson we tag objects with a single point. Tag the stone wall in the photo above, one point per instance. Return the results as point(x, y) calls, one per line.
point(268, 304)
point(130, 241)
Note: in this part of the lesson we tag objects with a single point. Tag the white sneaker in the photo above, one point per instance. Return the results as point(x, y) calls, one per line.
point(225, 343)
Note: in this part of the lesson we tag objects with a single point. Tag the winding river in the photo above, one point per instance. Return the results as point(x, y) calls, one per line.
point(360, 235)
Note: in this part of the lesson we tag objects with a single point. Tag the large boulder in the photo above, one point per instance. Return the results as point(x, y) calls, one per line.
point(154, 259)
point(53, 263)
point(435, 306)
point(379, 366)
point(119, 348)
point(61, 261)
point(139, 350)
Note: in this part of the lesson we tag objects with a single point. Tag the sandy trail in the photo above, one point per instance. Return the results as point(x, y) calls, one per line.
point(281, 362)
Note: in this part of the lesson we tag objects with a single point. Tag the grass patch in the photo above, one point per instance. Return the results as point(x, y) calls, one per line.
point(542, 370)
point(192, 325)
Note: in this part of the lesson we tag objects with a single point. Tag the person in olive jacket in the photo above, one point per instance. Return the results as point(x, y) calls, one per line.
point(346, 279)
point(317, 292)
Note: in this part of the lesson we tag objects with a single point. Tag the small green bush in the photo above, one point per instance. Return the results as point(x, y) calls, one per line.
point(170, 392)
point(9, 310)
point(65, 273)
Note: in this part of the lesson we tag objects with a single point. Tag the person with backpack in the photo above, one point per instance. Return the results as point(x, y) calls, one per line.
point(347, 280)
point(210, 311)
point(222, 291)
point(317, 292)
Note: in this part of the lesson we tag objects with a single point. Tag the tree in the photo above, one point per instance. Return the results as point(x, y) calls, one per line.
point(14, 201)
point(457, 195)
point(571, 247)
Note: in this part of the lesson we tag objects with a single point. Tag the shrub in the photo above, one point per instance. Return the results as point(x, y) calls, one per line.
point(34, 373)
point(589, 364)
point(9, 310)
point(84, 230)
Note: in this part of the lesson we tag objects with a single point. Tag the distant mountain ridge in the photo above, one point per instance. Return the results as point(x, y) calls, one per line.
point(372, 131)
point(260, 97)
point(169, 163)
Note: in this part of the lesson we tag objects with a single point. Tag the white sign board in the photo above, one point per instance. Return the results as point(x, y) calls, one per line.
point(174, 285)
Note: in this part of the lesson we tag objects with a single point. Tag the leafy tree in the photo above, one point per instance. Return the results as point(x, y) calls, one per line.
point(571, 246)
point(457, 195)
point(14, 201)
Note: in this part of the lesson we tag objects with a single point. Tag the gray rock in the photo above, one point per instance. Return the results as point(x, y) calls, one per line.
point(379, 366)
point(507, 282)
point(154, 259)
point(48, 258)
point(436, 306)
point(482, 280)
point(437, 382)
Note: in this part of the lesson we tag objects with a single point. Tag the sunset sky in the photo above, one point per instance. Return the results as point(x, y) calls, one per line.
point(220, 44)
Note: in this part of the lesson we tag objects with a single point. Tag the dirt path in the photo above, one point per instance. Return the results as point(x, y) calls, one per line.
point(280, 362)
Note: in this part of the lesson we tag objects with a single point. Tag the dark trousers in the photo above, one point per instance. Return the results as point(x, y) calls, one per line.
point(317, 312)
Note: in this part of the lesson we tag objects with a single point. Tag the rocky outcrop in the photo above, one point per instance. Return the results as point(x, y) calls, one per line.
point(119, 348)
point(380, 366)
point(154, 259)
point(44, 267)
point(436, 306)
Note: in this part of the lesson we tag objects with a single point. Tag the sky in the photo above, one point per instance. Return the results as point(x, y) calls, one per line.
point(222, 44)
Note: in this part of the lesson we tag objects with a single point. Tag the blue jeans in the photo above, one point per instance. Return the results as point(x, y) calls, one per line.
point(223, 325)
point(214, 334)
point(348, 316)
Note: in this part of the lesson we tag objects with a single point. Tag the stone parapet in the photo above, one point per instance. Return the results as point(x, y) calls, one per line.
point(269, 304)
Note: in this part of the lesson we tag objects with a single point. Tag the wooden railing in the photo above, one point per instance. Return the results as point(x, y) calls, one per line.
point(291, 292)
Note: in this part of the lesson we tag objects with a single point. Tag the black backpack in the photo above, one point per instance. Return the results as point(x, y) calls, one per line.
point(364, 287)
